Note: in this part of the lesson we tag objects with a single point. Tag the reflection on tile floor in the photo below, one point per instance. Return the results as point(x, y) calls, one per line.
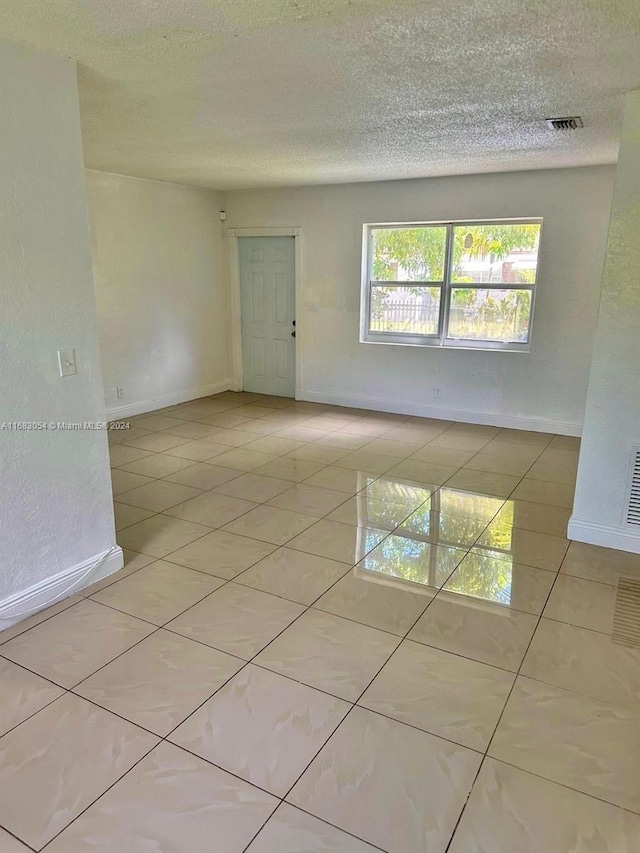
point(329, 621)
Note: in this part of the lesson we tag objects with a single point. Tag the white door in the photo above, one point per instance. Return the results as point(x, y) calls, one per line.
point(267, 301)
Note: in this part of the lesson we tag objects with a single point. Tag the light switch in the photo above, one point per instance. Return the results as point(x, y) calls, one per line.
point(67, 362)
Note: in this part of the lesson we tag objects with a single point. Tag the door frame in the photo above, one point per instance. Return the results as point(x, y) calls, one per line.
point(233, 235)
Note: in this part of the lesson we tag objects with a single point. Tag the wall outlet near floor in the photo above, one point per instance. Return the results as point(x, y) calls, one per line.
point(119, 392)
point(437, 391)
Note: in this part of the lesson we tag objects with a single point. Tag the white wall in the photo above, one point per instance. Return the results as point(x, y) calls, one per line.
point(612, 420)
point(55, 500)
point(160, 273)
point(544, 389)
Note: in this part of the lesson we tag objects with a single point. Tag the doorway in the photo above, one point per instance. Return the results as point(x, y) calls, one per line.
point(268, 310)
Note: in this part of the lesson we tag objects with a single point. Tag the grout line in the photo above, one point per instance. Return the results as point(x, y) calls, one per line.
point(236, 578)
point(147, 620)
point(315, 817)
point(19, 840)
point(39, 709)
point(497, 725)
point(42, 621)
point(562, 785)
point(317, 753)
point(165, 738)
point(221, 687)
point(113, 784)
point(355, 704)
point(102, 666)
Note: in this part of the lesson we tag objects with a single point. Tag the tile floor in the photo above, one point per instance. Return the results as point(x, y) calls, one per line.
point(336, 630)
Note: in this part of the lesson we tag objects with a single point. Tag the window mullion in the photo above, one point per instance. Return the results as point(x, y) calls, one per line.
point(369, 277)
point(445, 307)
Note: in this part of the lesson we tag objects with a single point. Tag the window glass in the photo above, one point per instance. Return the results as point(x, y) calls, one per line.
point(405, 310)
point(495, 253)
point(490, 315)
point(409, 254)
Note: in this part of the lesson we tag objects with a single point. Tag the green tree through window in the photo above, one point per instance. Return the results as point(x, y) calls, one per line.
point(419, 269)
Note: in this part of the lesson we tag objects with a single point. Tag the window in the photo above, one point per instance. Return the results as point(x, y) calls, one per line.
point(457, 284)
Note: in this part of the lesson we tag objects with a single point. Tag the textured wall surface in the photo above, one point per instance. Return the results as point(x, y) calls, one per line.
point(55, 499)
point(612, 419)
point(241, 93)
point(547, 385)
point(159, 263)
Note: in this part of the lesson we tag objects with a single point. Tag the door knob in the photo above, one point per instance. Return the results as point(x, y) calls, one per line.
point(293, 334)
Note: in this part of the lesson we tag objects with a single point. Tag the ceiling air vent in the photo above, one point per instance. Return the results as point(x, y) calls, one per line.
point(565, 123)
point(633, 504)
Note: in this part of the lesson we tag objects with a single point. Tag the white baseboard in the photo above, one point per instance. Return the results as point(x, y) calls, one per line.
point(463, 415)
point(605, 535)
point(143, 406)
point(20, 605)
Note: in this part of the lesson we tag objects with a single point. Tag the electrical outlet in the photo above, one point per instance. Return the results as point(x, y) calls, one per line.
point(67, 362)
point(119, 392)
point(437, 391)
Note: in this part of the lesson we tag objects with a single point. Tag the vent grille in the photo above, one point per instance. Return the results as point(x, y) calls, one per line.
point(564, 123)
point(633, 506)
point(626, 616)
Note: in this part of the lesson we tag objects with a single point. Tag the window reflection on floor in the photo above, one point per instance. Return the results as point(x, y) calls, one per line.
point(439, 536)
point(483, 575)
point(414, 560)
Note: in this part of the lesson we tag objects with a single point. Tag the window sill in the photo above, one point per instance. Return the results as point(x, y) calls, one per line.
point(438, 344)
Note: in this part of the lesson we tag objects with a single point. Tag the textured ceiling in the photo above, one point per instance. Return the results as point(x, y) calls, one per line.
point(245, 93)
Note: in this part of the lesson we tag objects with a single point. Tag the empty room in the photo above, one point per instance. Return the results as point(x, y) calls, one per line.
point(319, 426)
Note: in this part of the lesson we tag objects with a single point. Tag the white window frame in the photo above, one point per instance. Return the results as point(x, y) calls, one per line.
point(440, 339)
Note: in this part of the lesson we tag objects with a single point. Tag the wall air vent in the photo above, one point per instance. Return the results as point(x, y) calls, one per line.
point(633, 502)
point(564, 123)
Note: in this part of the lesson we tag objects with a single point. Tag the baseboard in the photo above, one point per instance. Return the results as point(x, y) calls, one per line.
point(605, 535)
point(464, 415)
point(143, 406)
point(20, 605)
